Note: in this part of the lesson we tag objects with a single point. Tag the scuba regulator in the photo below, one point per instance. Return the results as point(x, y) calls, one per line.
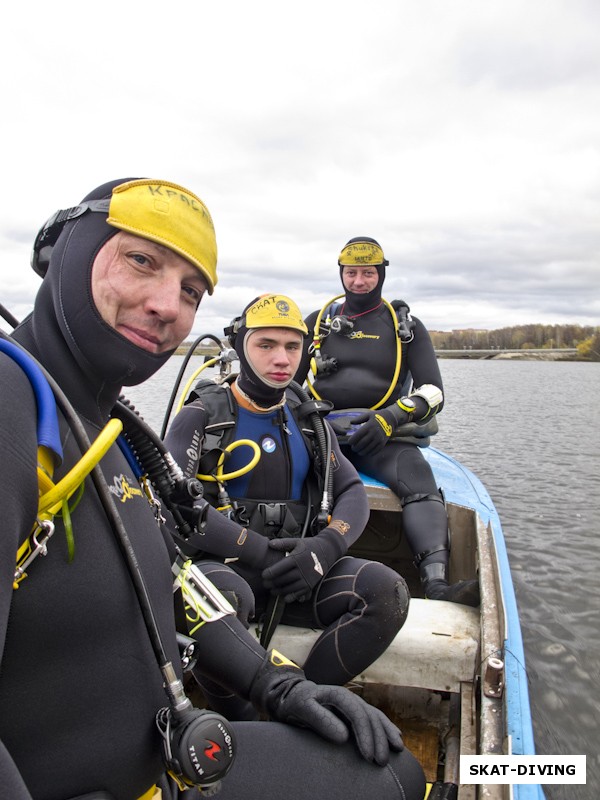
point(198, 747)
point(341, 325)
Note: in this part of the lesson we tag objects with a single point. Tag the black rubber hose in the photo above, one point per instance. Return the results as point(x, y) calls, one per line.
point(323, 439)
point(179, 378)
point(110, 510)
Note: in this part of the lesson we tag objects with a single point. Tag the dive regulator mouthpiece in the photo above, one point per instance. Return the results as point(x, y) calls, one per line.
point(341, 325)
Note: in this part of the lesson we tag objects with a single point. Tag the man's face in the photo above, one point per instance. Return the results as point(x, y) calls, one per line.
point(146, 292)
point(360, 280)
point(274, 353)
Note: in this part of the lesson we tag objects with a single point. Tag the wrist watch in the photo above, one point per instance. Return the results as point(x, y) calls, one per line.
point(407, 405)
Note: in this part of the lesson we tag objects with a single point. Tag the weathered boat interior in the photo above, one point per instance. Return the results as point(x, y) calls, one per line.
point(441, 680)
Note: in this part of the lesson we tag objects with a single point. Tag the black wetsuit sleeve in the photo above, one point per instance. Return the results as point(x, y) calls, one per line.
point(422, 361)
point(185, 435)
point(220, 536)
point(350, 511)
point(244, 654)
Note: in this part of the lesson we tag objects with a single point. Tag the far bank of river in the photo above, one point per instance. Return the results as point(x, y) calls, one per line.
point(564, 354)
point(512, 355)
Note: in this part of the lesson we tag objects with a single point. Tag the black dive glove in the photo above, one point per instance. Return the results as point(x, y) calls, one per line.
point(256, 552)
point(281, 690)
point(377, 429)
point(308, 561)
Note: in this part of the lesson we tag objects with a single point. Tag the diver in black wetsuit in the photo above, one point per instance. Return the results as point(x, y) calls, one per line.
point(359, 605)
point(369, 354)
point(80, 683)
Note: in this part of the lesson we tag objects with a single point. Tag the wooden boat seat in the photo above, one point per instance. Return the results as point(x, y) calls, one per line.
point(436, 649)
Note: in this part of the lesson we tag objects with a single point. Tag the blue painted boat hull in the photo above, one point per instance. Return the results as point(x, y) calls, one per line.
point(463, 488)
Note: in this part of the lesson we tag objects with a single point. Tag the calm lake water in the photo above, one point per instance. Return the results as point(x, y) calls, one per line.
point(531, 431)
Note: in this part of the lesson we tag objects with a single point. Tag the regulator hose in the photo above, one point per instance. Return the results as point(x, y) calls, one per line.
point(324, 447)
point(10, 318)
point(316, 344)
point(180, 375)
point(157, 462)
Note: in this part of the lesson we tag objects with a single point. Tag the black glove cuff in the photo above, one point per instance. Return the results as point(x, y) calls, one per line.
point(397, 415)
point(273, 680)
point(334, 544)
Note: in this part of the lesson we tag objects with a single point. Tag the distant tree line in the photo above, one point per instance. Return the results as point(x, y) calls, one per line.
point(586, 338)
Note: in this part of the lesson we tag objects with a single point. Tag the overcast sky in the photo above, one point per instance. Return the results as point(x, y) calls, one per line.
point(464, 135)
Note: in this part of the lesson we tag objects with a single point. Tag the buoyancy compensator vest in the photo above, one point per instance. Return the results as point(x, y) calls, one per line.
point(271, 518)
point(331, 321)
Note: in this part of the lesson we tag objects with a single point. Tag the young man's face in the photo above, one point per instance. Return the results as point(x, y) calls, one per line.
point(360, 280)
point(274, 353)
point(146, 292)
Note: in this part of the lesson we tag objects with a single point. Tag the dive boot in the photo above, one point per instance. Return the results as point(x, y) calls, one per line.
point(436, 586)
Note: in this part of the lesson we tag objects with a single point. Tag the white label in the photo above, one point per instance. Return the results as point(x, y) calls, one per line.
point(523, 769)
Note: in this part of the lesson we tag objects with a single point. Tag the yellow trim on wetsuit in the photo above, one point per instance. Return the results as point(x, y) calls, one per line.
point(153, 793)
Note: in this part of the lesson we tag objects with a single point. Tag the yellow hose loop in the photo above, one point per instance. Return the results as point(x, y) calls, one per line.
point(220, 477)
point(210, 363)
point(317, 344)
point(51, 501)
point(398, 358)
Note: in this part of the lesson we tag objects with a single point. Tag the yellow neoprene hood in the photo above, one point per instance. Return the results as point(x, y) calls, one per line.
point(274, 311)
point(359, 253)
point(170, 215)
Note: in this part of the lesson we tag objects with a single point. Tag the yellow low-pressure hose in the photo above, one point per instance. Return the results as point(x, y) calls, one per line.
point(317, 346)
point(220, 476)
point(394, 380)
point(51, 501)
point(54, 497)
point(210, 363)
point(45, 469)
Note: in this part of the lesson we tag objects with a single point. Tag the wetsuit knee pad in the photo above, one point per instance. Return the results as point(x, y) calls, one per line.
point(401, 467)
point(414, 473)
point(383, 590)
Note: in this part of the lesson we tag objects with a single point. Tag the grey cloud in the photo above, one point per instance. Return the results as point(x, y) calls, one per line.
point(538, 53)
